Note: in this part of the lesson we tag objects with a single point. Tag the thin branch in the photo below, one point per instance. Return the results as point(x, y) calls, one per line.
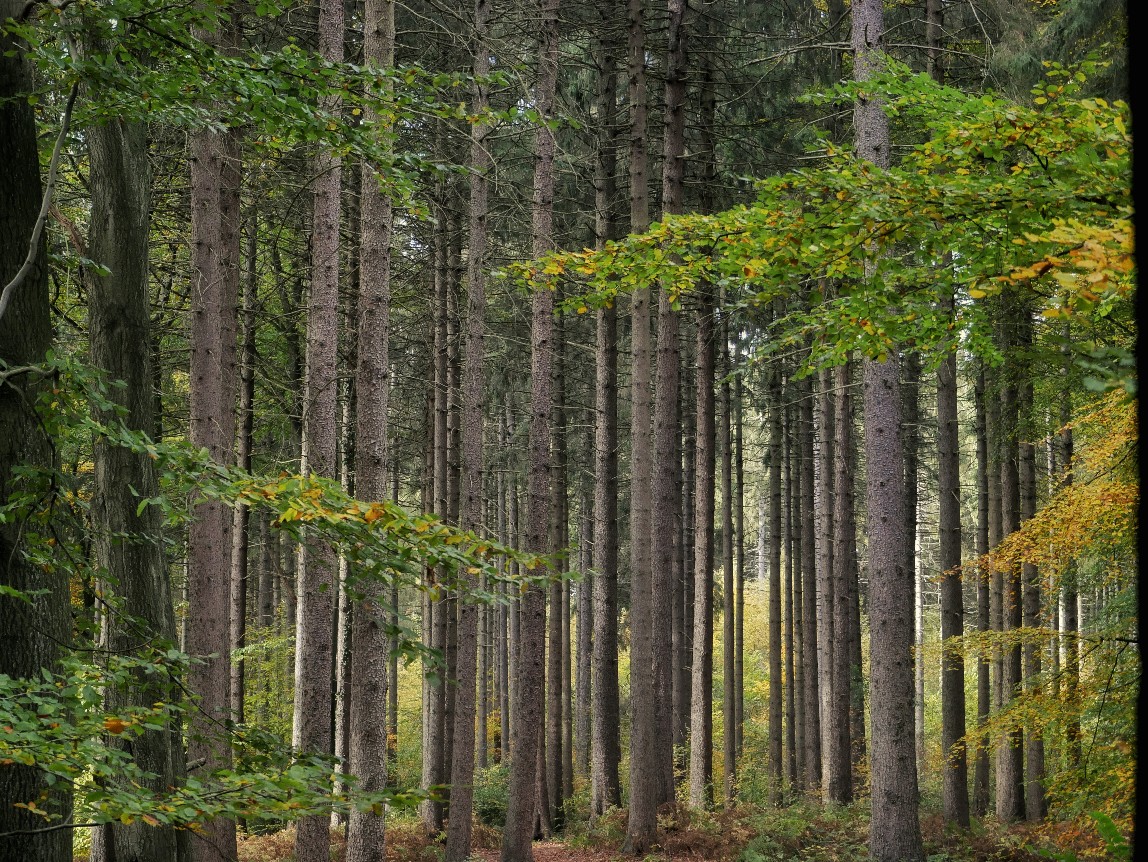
point(45, 205)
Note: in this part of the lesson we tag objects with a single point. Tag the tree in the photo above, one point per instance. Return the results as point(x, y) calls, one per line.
point(367, 755)
point(215, 178)
point(33, 634)
point(894, 830)
point(128, 540)
point(528, 702)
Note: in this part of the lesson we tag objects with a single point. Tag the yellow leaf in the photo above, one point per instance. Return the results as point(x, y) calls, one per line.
point(977, 293)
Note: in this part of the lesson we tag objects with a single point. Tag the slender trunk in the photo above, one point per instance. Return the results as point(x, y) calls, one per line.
point(584, 638)
point(1036, 807)
point(554, 757)
point(644, 791)
point(313, 638)
point(787, 546)
point(809, 605)
point(824, 564)
point(666, 498)
point(840, 778)
point(470, 490)
point(729, 679)
point(528, 703)
point(1010, 754)
point(605, 718)
point(954, 764)
point(911, 410)
point(776, 446)
point(701, 714)
point(739, 601)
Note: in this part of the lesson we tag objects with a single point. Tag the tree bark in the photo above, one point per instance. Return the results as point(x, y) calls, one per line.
point(215, 282)
point(129, 546)
point(701, 715)
point(729, 677)
point(528, 703)
point(369, 687)
point(954, 764)
point(776, 448)
point(839, 786)
point(605, 718)
point(313, 638)
point(33, 636)
point(984, 694)
point(894, 829)
point(811, 753)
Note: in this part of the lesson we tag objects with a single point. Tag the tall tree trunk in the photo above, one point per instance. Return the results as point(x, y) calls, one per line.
point(729, 674)
point(554, 757)
point(776, 448)
point(33, 635)
point(435, 606)
point(313, 638)
point(739, 601)
point(894, 830)
point(1036, 807)
point(644, 777)
point(1010, 753)
point(984, 694)
point(954, 764)
point(664, 538)
point(701, 698)
point(584, 638)
point(824, 564)
point(528, 706)
point(839, 787)
point(787, 547)
point(911, 437)
point(809, 605)
point(129, 546)
point(368, 695)
point(1071, 607)
point(462, 749)
point(605, 717)
point(215, 283)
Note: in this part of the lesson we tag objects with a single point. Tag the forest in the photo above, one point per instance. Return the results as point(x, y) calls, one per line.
point(572, 432)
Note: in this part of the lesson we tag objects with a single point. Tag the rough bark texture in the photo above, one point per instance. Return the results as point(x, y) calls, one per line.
point(701, 715)
point(809, 605)
point(729, 681)
point(32, 636)
point(954, 764)
point(1010, 753)
point(894, 829)
point(839, 780)
point(369, 686)
point(528, 702)
point(1036, 807)
point(605, 745)
point(129, 546)
point(824, 563)
point(212, 386)
point(644, 777)
point(775, 541)
point(313, 636)
point(666, 497)
point(984, 695)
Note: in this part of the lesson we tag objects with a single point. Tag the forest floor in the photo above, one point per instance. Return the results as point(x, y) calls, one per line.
point(798, 833)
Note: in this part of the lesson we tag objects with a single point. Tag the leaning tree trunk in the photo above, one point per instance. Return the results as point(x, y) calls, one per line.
point(894, 829)
point(367, 756)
